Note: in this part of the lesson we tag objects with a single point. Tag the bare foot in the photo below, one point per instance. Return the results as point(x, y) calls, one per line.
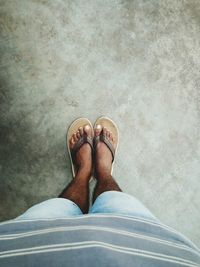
point(103, 155)
point(84, 154)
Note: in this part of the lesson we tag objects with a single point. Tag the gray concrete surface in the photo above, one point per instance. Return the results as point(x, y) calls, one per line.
point(137, 62)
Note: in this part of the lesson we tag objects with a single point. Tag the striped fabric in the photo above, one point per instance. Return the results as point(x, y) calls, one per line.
point(94, 240)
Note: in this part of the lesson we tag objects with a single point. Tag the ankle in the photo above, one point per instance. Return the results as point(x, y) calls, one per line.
point(103, 175)
point(84, 173)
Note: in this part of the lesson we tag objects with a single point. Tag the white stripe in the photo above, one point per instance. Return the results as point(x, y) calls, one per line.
point(89, 244)
point(97, 215)
point(106, 229)
point(85, 216)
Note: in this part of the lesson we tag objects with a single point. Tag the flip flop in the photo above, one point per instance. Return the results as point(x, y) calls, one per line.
point(112, 127)
point(81, 122)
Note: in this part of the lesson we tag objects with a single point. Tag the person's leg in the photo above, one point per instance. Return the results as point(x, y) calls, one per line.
point(51, 209)
point(78, 190)
point(108, 197)
point(103, 165)
point(74, 198)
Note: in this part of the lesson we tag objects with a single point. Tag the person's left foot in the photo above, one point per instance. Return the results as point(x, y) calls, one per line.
point(83, 159)
point(103, 156)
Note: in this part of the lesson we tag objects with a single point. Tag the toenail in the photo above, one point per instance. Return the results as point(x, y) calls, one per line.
point(98, 127)
point(87, 127)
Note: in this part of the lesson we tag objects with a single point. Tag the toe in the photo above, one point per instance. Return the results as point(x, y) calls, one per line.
point(87, 129)
point(111, 136)
point(80, 129)
point(108, 134)
point(71, 143)
point(105, 131)
point(74, 137)
point(97, 130)
point(78, 135)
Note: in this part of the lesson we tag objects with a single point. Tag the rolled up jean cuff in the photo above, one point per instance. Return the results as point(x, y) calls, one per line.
point(112, 202)
point(121, 203)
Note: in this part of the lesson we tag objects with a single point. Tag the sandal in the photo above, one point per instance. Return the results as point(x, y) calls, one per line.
point(112, 127)
point(81, 122)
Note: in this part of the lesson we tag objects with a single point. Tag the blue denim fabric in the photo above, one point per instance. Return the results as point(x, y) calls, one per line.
point(120, 203)
point(108, 202)
point(51, 208)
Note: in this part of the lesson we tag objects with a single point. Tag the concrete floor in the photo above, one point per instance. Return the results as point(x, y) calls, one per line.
point(135, 61)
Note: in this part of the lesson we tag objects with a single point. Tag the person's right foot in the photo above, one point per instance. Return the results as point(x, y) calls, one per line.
point(103, 156)
point(83, 159)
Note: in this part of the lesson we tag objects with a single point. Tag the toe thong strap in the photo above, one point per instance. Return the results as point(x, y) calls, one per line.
point(106, 141)
point(84, 139)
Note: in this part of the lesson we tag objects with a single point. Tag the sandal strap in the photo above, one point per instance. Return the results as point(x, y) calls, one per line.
point(84, 139)
point(106, 141)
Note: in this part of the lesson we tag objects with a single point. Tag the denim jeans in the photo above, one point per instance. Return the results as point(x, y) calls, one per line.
point(108, 202)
